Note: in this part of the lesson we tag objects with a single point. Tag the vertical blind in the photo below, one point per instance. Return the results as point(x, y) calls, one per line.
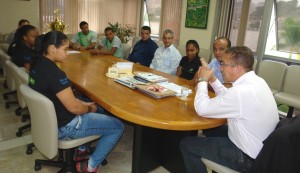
point(96, 12)
point(171, 17)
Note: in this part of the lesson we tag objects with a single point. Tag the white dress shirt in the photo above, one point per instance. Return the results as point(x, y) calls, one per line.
point(249, 107)
point(166, 59)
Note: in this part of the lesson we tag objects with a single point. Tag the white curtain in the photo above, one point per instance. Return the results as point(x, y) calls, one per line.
point(96, 12)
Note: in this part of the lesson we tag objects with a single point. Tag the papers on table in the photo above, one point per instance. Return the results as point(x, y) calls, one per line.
point(173, 87)
point(151, 77)
point(73, 51)
point(129, 81)
point(149, 83)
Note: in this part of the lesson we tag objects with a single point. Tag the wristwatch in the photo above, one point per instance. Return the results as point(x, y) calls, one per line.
point(201, 79)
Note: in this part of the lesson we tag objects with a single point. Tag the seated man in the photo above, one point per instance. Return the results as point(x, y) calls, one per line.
point(110, 45)
point(167, 57)
point(143, 51)
point(219, 47)
point(248, 106)
point(11, 36)
point(84, 40)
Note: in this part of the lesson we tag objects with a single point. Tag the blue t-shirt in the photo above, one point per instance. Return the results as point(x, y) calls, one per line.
point(143, 52)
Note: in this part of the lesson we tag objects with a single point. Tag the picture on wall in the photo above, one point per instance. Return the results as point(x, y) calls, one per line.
point(197, 13)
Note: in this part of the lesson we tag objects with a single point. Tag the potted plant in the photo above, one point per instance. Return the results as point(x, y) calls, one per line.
point(124, 32)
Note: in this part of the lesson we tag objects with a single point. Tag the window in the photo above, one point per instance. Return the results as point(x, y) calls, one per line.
point(246, 23)
point(151, 17)
point(161, 15)
point(278, 42)
point(283, 36)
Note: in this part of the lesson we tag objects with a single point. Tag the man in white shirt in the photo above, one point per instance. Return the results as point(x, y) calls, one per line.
point(248, 106)
point(166, 58)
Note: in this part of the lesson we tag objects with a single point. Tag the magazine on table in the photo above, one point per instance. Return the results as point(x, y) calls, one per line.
point(156, 90)
point(130, 81)
point(153, 78)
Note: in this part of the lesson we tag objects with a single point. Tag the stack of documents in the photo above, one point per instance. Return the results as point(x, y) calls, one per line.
point(153, 78)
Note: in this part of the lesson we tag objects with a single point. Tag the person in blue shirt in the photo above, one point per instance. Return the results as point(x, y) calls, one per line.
point(144, 49)
point(220, 45)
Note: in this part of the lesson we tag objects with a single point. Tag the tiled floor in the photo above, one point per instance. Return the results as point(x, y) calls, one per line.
point(13, 158)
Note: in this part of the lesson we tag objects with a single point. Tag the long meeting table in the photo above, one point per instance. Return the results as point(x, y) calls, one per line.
point(159, 124)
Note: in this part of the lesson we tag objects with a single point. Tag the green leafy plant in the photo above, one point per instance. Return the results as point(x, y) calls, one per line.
point(291, 34)
point(124, 32)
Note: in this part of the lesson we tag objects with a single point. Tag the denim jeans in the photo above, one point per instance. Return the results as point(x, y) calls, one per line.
point(110, 129)
point(217, 149)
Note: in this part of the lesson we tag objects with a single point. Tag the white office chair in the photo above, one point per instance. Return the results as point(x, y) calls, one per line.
point(13, 68)
point(134, 40)
point(290, 94)
point(159, 43)
point(4, 46)
point(182, 50)
point(273, 73)
point(217, 167)
point(126, 50)
point(44, 132)
point(23, 77)
point(9, 80)
point(206, 54)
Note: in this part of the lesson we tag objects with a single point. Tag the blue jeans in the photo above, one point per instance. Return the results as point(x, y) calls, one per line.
point(217, 149)
point(110, 129)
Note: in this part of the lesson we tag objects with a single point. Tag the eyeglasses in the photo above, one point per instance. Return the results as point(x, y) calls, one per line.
point(223, 64)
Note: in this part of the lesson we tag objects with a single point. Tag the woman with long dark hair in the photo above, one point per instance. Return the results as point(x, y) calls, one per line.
point(76, 118)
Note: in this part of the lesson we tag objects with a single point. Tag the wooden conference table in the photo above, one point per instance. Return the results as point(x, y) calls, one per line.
point(159, 124)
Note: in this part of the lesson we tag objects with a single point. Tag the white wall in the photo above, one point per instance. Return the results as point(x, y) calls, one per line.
point(202, 36)
point(11, 11)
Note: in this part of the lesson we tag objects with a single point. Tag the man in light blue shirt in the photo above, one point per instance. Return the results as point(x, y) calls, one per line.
point(220, 45)
point(84, 40)
point(110, 45)
point(166, 58)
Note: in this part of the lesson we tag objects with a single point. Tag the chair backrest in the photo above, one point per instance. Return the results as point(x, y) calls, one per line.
point(159, 43)
point(291, 82)
point(4, 46)
point(182, 50)
point(206, 54)
point(126, 50)
point(44, 129)
point(11, 84)
point(254, 64)
point(273, 73)
point(23, 75)
point(13, 68)
point(134, 40)
point(3, 57)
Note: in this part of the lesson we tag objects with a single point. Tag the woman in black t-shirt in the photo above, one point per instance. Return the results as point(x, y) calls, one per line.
point(76, 118)
point(190, 63)
point(21, 49)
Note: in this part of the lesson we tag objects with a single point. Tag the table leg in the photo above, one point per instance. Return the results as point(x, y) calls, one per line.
point(156, 147)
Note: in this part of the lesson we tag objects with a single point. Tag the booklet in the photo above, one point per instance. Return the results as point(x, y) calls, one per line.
point(153, 78)
point(156, 90)
point(129, 81)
